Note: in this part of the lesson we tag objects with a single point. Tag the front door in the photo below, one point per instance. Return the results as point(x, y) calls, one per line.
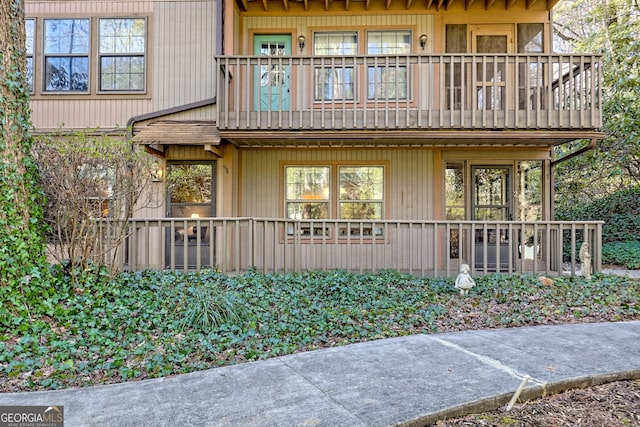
point(273, 74)
point(491, 201)
point(191, 197)
point(490, 73)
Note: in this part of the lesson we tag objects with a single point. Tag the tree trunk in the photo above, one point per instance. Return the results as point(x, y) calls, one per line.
point(21, 226)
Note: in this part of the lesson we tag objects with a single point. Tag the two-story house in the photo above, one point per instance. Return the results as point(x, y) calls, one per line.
point(355, 134)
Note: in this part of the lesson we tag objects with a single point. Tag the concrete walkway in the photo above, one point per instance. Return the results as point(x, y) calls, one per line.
point(409, 381)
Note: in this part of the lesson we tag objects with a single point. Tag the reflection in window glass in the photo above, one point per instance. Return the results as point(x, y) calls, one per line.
point(343, 43)
point(454, 191)
point(361, 192)
point(332, 80)
point(307, 192)
point(334, 84)
point(30, 34)
point(190, 183)
point(391, 81)
point(66, 49)
point(122, 60)
point(530, 182)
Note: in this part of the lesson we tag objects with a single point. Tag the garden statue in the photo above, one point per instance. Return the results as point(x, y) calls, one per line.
point(585, 260)
point(464, 282)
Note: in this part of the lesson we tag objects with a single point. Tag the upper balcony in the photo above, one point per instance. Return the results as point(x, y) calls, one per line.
point(315, 95)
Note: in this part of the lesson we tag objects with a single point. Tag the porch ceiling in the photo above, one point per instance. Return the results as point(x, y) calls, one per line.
point(245, 5)
point(382, 139)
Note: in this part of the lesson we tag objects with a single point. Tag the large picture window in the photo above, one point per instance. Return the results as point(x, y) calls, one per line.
point(122, 54)
point(333, 80)
point(335, 192)
point(388, 81)
point(66, 54)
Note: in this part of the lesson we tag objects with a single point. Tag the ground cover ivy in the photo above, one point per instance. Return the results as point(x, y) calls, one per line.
point(152, 324)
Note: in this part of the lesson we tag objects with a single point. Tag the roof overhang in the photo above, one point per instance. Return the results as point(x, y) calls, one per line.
point(156, 136)
point(382, 139)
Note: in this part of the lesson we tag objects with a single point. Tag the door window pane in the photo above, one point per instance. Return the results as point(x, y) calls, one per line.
point(190, 183)
point(531, 94)
point(491, 194)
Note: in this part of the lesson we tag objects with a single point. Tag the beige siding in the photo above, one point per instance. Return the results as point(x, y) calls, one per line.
point(422, 23)
point(181, 38)
point(184, 46)
point(408, 176)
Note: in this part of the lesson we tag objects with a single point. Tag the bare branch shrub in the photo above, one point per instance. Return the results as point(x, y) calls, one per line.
point(93, 183)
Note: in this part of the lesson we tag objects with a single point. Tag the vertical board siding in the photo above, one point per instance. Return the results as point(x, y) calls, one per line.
point(181, 38)
point(56, 113)
point(184, 46)
point(408, 178)
point(423, 23)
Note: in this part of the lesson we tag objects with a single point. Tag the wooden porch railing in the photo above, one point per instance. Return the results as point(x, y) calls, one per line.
point(425, 248)
point(439, 91)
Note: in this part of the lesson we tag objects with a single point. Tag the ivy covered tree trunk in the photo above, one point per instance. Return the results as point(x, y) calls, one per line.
point(22, 240)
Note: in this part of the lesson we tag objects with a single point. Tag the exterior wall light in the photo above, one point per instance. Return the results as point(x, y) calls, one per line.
point(157, 173)
point(423, 41)
point(301, 41)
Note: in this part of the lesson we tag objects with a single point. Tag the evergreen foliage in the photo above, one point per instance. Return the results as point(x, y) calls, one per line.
point(23, 283)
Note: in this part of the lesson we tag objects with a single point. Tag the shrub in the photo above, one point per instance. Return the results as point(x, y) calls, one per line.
point(625, 254)
point(620, 211)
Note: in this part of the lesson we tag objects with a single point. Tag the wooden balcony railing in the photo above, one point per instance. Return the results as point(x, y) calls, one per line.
point(426, 248)
point(440, 91)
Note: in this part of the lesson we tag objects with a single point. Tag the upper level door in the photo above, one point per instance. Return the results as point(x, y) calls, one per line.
point(492, 72)
point(273, 76)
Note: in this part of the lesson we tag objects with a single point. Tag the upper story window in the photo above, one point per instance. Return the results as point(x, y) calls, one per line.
point(122, 54)
point(334, 80)
point(66, 55)
point(30, 28)
point(89, 55)
point(388, 80)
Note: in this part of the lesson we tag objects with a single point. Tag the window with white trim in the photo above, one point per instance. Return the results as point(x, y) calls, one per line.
point(388, 80)
point(333, 80)
point(122, 54)
point(66, 55)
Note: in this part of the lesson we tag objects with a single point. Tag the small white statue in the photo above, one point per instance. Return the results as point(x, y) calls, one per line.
point(585, 260)
point(464, 281)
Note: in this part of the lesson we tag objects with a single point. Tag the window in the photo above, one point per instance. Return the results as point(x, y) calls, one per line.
point(334, 81)
point(122, 54)
point(312, 192)
point(454, 191)
point(388, 81)
point(30, 25)
point(361, 192)
point(307, 192)
point(454, 203)
point(66, 55)
point(531, 74)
